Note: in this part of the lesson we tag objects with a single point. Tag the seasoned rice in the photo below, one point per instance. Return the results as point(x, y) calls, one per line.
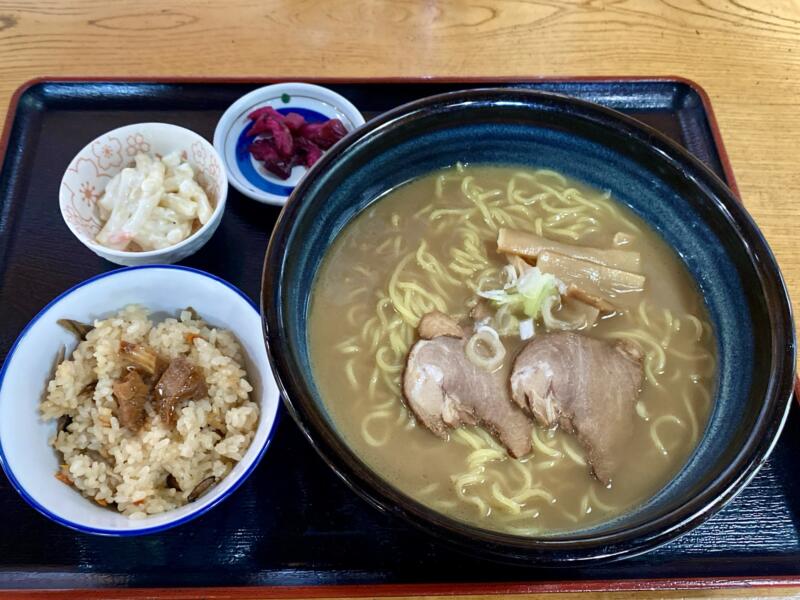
point(128, 471)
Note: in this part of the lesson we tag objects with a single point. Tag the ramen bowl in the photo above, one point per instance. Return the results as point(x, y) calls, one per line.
point(691, 209)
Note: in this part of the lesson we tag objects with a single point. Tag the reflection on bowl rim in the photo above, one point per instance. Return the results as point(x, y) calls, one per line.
point(219, 202)
point(556, 548)
point(202, 509)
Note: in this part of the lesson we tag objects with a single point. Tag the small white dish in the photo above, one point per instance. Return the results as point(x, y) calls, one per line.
point(28, 460)
point(90, 171)
point(313, 102)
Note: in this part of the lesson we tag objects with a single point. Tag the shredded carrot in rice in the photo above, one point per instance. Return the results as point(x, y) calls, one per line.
point(63, 478)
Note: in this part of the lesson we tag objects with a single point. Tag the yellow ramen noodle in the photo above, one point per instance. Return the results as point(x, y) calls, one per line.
point(430, 245)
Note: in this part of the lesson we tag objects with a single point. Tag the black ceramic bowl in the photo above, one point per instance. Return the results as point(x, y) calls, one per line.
point(687, 204)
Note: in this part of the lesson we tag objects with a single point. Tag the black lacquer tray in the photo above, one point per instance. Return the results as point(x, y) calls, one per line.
point(294, 523)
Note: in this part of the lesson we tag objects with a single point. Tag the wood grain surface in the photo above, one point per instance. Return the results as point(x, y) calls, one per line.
point(745, 53)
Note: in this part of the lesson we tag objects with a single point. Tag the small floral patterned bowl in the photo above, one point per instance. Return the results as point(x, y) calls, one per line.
point(90, 171)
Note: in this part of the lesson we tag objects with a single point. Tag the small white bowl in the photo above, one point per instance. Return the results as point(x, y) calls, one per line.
point(28, 460)
point(315, 103)
point(90, 171)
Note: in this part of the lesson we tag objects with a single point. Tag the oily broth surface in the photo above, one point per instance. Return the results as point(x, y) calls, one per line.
point(468, 476)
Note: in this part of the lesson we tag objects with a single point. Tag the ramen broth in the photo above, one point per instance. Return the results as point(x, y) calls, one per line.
point(429, 245)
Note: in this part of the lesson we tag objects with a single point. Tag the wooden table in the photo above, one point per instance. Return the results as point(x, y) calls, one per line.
point(745, 53)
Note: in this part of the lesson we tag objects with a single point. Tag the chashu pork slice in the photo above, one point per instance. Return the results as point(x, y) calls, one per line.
point(588, 387)
point(444, 389)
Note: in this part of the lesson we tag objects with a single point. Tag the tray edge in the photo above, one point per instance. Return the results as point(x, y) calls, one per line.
point(416, 590)
point(690, 83)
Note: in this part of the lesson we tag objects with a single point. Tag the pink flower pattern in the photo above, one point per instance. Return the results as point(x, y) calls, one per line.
point(136, 144)
point(208, 169)
point(199, 154)
point(108, 153)
point(88, 193)
point(87, 226)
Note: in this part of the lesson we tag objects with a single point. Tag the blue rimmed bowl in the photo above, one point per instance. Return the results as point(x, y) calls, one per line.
point(314, 103)
point(28, 460)
point(681, 198)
